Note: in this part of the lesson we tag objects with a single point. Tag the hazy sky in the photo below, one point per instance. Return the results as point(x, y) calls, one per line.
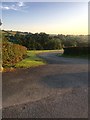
point(49, 17)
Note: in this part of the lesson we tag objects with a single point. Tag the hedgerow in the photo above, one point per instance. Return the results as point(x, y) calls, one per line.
point(76, 50)
point(12, 53)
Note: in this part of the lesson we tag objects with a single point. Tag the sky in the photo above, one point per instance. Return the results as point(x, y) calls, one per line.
point(48, 17)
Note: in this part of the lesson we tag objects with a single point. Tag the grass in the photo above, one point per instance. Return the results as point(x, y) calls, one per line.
point(42, 51)
point(32, 60)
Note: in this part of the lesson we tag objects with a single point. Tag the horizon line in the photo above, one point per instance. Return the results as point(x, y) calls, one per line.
point(43, 32)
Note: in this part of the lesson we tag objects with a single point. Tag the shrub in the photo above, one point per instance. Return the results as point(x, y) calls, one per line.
point(12, 53)
point(76, 51)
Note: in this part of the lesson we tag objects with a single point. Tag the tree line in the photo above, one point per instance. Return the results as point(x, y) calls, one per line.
point(43, 41)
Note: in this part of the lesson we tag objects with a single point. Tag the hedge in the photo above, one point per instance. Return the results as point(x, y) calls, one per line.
point(12, 53)
point(77, 51)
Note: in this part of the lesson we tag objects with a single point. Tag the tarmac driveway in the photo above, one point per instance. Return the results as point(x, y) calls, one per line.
point(56, 90)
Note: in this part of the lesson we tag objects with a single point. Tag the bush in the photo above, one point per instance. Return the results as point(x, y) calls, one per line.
point(76, 51)
point(12, 53)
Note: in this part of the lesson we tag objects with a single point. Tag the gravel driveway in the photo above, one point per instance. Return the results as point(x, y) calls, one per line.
point(56, 90)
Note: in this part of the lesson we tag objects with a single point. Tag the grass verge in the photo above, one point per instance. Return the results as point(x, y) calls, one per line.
point(32, 60)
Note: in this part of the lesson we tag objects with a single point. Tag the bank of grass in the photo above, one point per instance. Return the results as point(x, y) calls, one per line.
point(32, 59)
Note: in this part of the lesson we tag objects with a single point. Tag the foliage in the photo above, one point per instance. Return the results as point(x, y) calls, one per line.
point(12, 53)
point(74, 40)
point(35, 41)
point(76, 51)
point(43, 41)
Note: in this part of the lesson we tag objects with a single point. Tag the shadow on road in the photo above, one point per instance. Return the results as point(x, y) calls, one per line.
point(53, 58)
point(67, 80)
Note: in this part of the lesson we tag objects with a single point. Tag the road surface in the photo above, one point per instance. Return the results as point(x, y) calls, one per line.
point(56, 90)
